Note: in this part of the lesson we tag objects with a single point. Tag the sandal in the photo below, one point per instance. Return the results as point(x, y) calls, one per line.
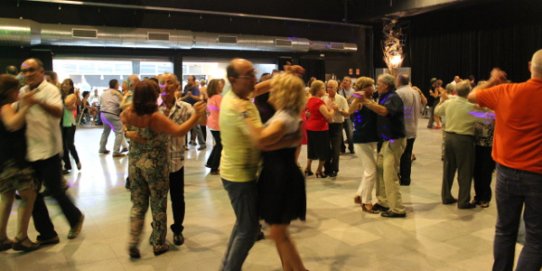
point(367, 207)
point(160, 249)
point(6, 244)
point(20, 245)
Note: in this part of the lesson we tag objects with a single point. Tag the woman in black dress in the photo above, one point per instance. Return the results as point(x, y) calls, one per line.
point(281, 185)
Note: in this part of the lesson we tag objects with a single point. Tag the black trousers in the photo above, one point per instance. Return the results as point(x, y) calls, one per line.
point(176, 194)
point(49, 173)
point(68, 138)
point(483, 171)
point(347, 126)
point(213, 162)
point(406, 162)
point(204, 132)
point(335, 138)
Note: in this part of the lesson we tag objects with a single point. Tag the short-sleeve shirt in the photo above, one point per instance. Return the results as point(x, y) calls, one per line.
point(43, 136)
point(195, 92)
point(240, 159)
point(179, 113)
point(391, 126)
point(411, 109)
point(110, 101)
point(213, 107)
point(315, 120)
point(517, 141)
point(290, 121)
point(341, 103)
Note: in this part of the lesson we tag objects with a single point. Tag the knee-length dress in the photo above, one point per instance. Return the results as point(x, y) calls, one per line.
point(281, 185)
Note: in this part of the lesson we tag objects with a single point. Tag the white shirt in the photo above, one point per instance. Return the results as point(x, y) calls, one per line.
point(411, 109)
point(43, 135)
point(341, 103)
point(346, 93)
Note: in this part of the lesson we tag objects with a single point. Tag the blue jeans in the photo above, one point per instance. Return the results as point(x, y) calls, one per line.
point(514, 190)
point(243, 197)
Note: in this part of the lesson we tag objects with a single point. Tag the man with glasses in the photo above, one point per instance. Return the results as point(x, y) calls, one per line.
point(240, 160)
point(44, 143)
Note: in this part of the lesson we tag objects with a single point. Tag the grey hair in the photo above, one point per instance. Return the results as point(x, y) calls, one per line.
point(388, 79)
point(463, 88)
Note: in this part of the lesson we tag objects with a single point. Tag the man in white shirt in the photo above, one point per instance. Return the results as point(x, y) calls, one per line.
point(412, 110)
point(346, 91)
point(44, 143)
point(340, 104)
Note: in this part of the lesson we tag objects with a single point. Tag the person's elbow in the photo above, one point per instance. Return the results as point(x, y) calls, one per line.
point(472, 97)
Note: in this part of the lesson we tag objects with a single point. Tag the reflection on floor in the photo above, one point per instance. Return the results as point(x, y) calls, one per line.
point(336, 235)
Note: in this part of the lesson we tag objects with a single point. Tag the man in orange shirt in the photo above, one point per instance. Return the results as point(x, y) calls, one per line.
point(517, 149)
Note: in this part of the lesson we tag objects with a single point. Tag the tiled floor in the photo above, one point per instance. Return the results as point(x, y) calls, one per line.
point(336, 235)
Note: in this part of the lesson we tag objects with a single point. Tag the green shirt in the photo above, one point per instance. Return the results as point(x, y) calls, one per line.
point(460, 115)
point(240, 158)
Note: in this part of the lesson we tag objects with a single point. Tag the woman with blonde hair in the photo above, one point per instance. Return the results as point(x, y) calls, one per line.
point(281, 185)
point(318, 115)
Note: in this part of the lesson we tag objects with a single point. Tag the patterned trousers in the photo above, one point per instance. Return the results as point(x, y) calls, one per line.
point(150, 184)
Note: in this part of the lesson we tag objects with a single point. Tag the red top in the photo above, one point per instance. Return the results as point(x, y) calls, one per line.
point(517, 140)
point(315, 120)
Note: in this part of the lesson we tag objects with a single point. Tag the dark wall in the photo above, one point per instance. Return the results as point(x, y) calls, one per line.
point(472, 41)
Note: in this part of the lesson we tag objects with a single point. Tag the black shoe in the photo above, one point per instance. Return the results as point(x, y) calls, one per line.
point(47, 241)
point(484, 204)
point(379, 208)
point(134, 253)
point(104, 152)
point(332, 174)
point(6, 244)
point(66, 171)
point(391, 214)
point(178, 239)
point(449, 201)
point(76, 230)
point(467, 206)
point(352, 151)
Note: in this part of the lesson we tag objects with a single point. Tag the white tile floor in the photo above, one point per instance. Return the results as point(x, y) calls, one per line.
point(336, 236)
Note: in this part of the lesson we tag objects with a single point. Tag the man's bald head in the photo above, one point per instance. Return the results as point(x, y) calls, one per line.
point(242, 77)
point(536, 64)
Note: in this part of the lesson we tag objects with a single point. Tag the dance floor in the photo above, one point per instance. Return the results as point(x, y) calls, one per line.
point(336, 236)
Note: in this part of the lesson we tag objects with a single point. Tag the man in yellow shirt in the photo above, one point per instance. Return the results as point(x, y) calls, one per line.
point(239, 161)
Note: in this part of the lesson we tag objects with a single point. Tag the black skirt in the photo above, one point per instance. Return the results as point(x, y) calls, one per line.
point(318, 147)
point(281, 188)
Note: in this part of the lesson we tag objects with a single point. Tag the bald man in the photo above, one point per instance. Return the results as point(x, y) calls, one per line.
point(44, 147)
point(517, 149)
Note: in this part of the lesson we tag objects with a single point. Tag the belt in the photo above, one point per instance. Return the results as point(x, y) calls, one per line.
point(109, 113)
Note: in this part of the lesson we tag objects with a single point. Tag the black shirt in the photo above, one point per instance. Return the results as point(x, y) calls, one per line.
point(264, 107)
point(364, 126)
point(391, 126)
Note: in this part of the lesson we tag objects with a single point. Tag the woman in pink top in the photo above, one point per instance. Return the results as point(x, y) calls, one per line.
point(214, 90)
point(317, 114)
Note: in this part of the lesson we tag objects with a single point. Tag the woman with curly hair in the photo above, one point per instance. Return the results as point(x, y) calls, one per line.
point(281, 185)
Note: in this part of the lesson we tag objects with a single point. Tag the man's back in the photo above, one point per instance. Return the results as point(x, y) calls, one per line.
point(110, 101)
point(518, 125)
point(411, 109)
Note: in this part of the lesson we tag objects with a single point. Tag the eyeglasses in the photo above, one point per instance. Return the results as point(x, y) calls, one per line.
point(30, 70)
